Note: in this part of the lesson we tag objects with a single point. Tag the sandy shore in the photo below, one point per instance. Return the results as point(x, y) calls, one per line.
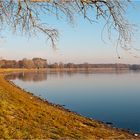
point(23, 116)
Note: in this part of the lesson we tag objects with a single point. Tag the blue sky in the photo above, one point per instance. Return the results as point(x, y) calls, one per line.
point(77, 43)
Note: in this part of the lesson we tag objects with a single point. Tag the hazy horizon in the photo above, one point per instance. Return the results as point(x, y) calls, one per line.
point(49, 62)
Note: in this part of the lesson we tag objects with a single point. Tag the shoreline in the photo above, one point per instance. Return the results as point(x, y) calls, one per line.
point(107, 131)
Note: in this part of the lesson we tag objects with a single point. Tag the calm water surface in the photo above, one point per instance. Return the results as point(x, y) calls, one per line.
point(109, 97)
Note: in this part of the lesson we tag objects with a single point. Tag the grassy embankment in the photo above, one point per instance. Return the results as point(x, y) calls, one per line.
point(23, 115)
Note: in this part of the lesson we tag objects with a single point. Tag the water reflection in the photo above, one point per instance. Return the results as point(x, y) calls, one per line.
point(37, 76)
point(29, 76)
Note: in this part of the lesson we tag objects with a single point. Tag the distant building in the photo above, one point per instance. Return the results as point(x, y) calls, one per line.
point(40, 63)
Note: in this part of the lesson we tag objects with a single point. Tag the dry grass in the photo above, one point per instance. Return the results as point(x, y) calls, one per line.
point(24, 116)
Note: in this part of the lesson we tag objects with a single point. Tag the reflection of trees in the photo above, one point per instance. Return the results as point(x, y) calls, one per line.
point(42, 75)
point(29, 76)
point(11, 76)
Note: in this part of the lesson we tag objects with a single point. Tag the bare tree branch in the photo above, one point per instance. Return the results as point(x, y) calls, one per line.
point(26, 15)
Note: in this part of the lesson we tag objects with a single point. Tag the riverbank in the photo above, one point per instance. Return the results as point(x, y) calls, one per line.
point(23, 115)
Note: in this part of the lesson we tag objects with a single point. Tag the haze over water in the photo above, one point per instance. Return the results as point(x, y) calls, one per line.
point(109, 96)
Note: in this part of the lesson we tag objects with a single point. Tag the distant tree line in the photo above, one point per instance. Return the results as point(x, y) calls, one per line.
point(24, 63)
point(88, 66)
point(42, 63)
